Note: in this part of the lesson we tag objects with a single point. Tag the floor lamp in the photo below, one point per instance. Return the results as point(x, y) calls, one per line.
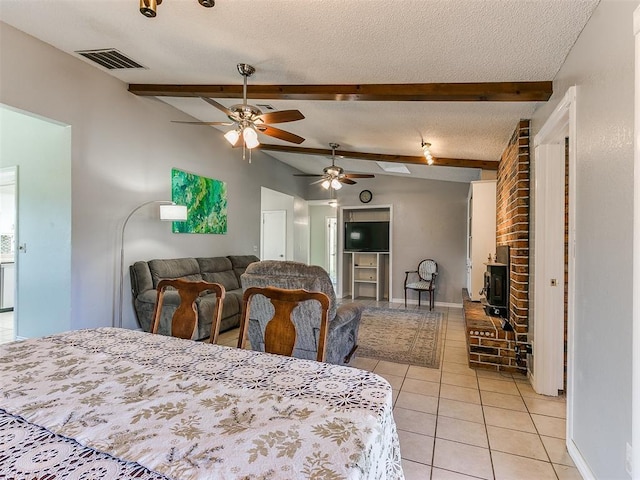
point(169, 212)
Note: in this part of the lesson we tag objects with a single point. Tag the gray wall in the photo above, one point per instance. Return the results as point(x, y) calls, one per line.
point(122, 151)
point(428, 222)
point(601, 65)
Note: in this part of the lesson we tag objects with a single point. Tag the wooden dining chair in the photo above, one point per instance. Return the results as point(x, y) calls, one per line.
point(280, 331)
point(184, 322)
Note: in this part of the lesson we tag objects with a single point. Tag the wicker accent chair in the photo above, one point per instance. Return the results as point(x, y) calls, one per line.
point(344, 320)
point(424, 281)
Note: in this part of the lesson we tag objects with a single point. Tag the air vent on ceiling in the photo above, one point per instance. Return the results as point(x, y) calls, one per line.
point(109, 58)
point(264, 106)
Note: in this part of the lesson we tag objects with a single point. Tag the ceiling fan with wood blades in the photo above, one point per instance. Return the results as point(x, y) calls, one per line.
point(334, 176)
point(248, 120)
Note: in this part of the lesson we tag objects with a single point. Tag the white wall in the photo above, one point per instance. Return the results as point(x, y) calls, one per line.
point(123, 148)
point(601, 65)
point(429, 221)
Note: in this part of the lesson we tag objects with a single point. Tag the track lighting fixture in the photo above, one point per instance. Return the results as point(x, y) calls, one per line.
point(148, 7)
point(427, 153)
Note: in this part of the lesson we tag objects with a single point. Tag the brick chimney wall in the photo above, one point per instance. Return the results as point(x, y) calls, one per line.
point(512, 223)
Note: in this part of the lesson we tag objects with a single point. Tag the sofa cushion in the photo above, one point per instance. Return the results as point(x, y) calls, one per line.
point(240, 263)
point(218, 270)
point(186, 268)
point(141, 280)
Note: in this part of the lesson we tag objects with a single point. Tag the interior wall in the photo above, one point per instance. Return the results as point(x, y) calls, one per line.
point(429, 221)
point(601, 65)
point(122, 151)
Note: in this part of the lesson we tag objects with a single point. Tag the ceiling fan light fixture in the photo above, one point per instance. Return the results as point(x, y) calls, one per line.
point(326, 184)
point(148, 7)
point(335, 184)
point(250, 137)
point(232, 136)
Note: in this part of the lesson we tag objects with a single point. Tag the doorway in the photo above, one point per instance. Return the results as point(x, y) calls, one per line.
point(331, 242)
point(555, 167)
point(8, 228)
point(41, 150)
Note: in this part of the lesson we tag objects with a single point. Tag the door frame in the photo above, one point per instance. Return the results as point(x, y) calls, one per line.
point(635, 368)
point(561, 124)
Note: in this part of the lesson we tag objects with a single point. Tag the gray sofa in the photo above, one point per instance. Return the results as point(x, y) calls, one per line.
point(344, 320)
point(224, 270)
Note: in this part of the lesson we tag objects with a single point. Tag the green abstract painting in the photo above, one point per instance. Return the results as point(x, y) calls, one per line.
point(206, 201)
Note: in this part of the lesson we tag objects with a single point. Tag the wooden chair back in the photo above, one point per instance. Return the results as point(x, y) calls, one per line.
point(280, 332)
point(184, 322)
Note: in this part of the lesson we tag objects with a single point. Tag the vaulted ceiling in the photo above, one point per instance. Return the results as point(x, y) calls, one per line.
point(373, 76)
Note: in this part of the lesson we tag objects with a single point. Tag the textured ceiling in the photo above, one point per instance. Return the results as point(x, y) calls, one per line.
point(335, 41)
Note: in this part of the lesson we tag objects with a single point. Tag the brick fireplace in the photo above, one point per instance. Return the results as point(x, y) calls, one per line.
point(490, 346)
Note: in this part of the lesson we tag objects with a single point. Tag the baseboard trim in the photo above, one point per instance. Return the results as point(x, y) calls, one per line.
point(580, 462)
point(437, 304)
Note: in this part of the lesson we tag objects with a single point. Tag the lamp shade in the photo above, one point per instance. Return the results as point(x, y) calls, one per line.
point(173, 213)
point(232, 136)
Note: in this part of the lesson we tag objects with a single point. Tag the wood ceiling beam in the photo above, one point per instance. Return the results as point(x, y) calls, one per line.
point(382, 157)
point(410, 92)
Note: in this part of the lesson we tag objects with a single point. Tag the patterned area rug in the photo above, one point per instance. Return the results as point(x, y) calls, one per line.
point(401, 336)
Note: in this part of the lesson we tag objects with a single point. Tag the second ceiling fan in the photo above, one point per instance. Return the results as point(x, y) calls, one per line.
point(334, 176)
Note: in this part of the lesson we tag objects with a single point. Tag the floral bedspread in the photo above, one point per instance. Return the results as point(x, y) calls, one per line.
point(116, 403)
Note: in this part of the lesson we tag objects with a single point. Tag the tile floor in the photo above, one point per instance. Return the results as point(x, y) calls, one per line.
point(457, 423)
point(6, 327)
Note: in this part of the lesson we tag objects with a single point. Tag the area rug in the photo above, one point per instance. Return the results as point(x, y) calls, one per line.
point(401, 336)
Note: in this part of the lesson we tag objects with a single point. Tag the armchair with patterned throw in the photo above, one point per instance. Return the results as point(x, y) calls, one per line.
point(344, 320)
point(424, 280)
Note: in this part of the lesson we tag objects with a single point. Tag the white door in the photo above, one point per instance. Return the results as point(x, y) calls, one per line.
point(274, 235)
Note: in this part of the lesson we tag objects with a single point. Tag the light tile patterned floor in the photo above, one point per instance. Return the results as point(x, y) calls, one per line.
point(457, 423)
point(6, 327)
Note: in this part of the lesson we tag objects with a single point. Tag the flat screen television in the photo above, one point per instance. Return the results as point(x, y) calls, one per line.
point(366, 236)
